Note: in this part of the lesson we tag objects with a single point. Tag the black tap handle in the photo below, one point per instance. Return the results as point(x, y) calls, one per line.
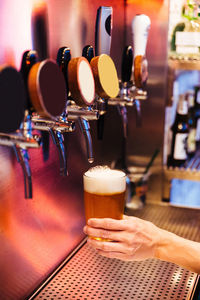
point(127, 63)
point(29, 58)
point(88, 52)
point(63, 58)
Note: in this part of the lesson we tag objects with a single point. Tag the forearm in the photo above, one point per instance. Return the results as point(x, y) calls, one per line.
point(178, 250)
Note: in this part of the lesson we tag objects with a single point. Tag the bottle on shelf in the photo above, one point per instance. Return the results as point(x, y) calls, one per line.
point(179, 130)
point(197, 115)
point(191, 140)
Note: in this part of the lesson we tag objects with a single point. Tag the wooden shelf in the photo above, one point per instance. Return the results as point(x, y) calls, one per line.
point(182, 173)
point(177, 64)
point(179, 173)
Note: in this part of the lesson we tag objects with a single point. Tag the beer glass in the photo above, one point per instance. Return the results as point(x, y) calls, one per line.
point(104, 193)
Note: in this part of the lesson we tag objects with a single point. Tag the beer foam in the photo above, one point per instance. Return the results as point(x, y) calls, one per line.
point(103, 180)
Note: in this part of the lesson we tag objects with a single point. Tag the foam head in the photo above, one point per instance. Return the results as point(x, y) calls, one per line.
point(103, 180)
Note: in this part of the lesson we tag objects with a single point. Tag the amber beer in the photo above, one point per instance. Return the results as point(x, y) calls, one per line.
point(104, 193)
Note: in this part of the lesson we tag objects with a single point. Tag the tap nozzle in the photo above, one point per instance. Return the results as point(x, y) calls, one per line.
point(85, 128)
point(83, 115)
point(58, 140)
point(23, 158)
point(56, 130)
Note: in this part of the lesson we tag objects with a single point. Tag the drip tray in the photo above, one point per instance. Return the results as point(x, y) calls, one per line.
point(88, 275)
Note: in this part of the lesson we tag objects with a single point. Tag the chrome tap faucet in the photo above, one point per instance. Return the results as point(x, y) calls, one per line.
point(56, 129)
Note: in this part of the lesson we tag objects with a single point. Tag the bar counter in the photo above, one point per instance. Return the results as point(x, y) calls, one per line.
point(86, 275)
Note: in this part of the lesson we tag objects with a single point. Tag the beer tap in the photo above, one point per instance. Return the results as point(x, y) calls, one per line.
point(103, 32)
point(140, 29)
point(129, 94)
point(123, 100)
point(15, 125)
point(126, 72)
point(81, 93)
point(46, 83)
point(100, 104)
point(29, 58)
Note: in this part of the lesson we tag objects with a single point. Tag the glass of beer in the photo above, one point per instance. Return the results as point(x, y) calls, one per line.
point(104, 193)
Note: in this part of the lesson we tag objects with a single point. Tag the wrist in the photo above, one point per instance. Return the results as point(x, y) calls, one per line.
point(164, 244)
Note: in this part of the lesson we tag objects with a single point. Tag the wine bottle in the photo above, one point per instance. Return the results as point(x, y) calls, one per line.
point(180, 131)
point(191, 140)
point(197, 114)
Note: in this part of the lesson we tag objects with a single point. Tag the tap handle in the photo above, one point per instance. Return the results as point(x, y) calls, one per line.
point(39, 29)
point(12, 99)
point(103, 34)
point(103, 30)
point(23, 158)
point(58, 140)
point(29, 58)
point(88, 52)
point(63, 58)
point(140, 29)
point(127, 64)
point(85, 128)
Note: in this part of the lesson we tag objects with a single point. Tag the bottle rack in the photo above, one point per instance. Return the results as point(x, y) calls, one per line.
point(175, 66)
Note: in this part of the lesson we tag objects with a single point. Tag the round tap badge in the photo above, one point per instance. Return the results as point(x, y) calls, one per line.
point(12, 99)
point(105, 76)
point(81, 81)
point(47, 89)
point(140, 71)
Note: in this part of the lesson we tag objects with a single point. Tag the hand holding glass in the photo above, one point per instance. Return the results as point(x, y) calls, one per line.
point(104, 193)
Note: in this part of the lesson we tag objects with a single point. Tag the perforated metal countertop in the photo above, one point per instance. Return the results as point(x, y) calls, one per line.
point(90, 276)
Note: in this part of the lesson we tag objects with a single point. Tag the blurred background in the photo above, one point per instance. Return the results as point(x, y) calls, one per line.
point(49, 226)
